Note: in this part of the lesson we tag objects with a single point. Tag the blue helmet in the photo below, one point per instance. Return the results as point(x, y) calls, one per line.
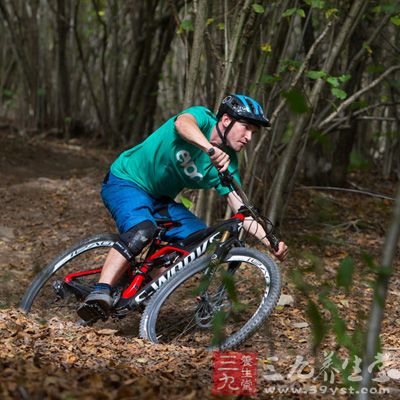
point(242, 107)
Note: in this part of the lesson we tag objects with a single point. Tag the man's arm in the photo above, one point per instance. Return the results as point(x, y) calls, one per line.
point(187, 128)
point(255, 228)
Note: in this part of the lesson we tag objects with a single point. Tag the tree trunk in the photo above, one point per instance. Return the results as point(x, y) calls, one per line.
point(63, 96)
point(284, 170)
point(197, 46)
point(379, 298)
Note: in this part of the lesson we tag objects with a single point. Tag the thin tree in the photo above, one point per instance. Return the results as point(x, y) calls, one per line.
point(379, 299)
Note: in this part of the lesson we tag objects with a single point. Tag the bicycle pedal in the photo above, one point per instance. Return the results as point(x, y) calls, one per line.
point(91, 313)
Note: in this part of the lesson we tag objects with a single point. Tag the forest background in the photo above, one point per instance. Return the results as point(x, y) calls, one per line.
point(112, 71)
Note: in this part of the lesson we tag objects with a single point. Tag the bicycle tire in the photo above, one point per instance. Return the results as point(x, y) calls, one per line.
point(178, 290)
point(88, 254)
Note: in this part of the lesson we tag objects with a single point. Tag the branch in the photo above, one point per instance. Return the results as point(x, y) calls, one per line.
point(233, 49)
point(376, 105)
point(338, 121)
point(301, 70)
point(363, 192)
point(292, 85)
point(379, 298)
point(356, 95)
point(372, 38)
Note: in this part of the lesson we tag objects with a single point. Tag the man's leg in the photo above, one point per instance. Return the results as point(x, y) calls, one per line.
point(189, 222)
point(124, 251)
point(114, 267)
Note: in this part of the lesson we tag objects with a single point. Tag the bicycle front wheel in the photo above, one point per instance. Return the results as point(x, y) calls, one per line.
point(48, 294)
point(214, 308)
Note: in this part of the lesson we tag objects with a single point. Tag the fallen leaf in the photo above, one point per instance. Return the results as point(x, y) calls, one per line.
point(107, 331)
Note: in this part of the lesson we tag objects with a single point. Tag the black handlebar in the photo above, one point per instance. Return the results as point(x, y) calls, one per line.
point(228, 180)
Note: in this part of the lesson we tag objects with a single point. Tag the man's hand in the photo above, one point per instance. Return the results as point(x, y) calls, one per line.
point(282, 252)
point(219, 158)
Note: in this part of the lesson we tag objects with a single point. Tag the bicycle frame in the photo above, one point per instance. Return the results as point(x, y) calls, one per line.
point(135, 294)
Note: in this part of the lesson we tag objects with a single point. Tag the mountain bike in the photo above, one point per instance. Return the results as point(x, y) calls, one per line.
point(211, 290)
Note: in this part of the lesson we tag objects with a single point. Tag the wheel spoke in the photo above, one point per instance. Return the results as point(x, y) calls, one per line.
point(229, 300)
point(55, 296)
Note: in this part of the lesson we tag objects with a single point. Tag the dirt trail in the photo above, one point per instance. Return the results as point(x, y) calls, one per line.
point(49, 196)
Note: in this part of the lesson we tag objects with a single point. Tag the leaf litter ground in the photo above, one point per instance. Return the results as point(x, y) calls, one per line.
point(49, 193)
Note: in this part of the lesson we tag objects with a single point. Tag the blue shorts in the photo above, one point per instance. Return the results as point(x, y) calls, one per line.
point(130, 205)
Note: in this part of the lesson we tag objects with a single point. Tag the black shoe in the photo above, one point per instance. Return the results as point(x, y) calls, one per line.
point(97, 305)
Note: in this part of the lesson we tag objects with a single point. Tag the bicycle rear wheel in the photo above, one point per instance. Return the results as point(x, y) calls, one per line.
point(220, 312)
point(48, 294)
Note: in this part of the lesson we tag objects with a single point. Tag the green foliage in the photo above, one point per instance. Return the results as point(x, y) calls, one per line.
point(270, 79)
point(287, 135)
point(344, 78)
point(186, 202)
point(220, 316)
point(386, 8)
point(334, 82)
point(289, 65)
point(357, 161)
point(395, 20)
point(367, 47)
point(8, 93)
point(301, 12)
point(9, 98)
point(324, 210)
point(326, 317)
point(344, 277)
point(316, 74)
point(258, 8)
point(41, 92)
point(339, 93)
point(266, 48)
point(319, 137)
point(316, 3)
point(375, 68)
point(186, 26)
point(218, 327)
point(291, 11)
point(221, 26)
point(318, 324)
point(331, 12)
point(296, 101)
point(357, 105)
point(229, 284)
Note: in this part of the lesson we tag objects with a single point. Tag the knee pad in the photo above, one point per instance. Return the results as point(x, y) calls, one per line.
point(132, 242)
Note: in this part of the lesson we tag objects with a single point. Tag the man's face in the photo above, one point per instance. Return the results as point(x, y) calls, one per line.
point(241, 134)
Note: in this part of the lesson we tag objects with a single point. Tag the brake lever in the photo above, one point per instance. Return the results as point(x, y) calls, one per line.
point(274, 240)
point(228, 180)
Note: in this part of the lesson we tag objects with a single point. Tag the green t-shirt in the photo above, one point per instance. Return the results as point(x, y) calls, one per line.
point(164, 163)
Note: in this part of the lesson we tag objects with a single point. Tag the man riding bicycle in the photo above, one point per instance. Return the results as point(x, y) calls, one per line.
point(144, 180)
